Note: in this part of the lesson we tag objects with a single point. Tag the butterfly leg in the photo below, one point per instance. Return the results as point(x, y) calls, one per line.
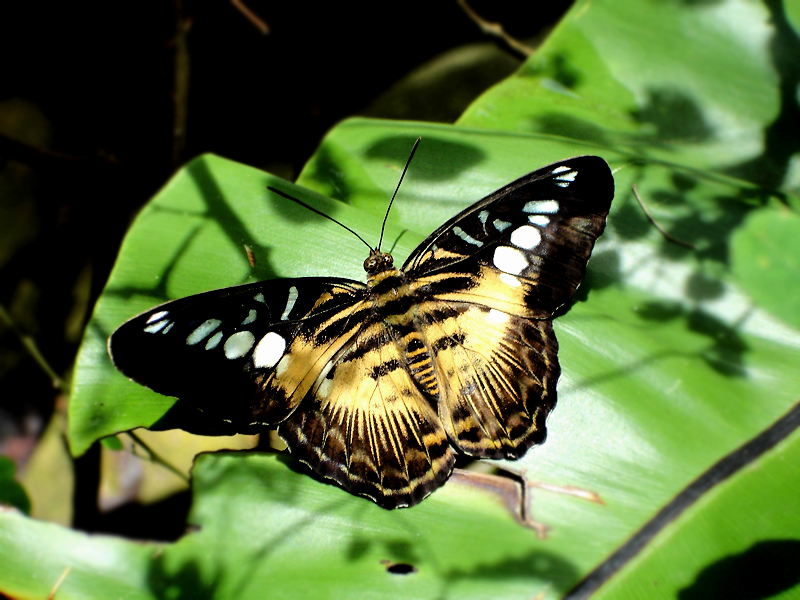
point(512, 491)
point(525, 511)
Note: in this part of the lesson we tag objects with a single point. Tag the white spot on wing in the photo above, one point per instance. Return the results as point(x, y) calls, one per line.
point(560, 169)
point(541, 207)
point(466, 237)
point(269, 351)
point(201, 332)
point(213, 341)
point(526, 237)
point(325, 388)
point(159, 315)
point(259, 297)
point(568, 176)
point(239, 344)
point(168, 327)
point(483, 215)
point(251, 316)
point(542, 220)
point(509, 260)
point(289, 303)
point(496, 316)
point(561, 183)
point(501, 225)
point(156, 327)
point(510, 280)
point(283, 365)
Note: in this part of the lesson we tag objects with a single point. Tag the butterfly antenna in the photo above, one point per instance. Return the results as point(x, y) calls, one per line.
point(319, 212)
point(408, 162)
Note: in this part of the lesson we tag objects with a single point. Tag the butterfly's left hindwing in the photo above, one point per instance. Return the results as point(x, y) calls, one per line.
point(246, 354)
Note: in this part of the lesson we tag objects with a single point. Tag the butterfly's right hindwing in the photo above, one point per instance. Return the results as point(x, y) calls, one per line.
point(246, 355)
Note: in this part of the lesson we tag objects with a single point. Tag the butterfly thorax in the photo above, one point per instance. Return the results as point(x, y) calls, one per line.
point(395, 301)
point(389, 289)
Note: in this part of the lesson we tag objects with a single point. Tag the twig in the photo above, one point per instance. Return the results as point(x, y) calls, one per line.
point(58, 583)
point(180, 93)
point(156, 458)
point(660, 229)
point(260, 24)
point(496, 30)
point(34, 156)
point(251, 258)
point(30, 345)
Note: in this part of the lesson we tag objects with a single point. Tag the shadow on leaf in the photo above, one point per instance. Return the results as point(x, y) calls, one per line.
point(764, 570)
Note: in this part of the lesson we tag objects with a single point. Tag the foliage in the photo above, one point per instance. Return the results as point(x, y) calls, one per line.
point(680, 365)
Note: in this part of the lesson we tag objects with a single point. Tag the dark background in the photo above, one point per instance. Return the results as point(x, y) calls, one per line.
point(90, 96)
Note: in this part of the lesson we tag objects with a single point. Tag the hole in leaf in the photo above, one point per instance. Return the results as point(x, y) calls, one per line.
point(398, 568)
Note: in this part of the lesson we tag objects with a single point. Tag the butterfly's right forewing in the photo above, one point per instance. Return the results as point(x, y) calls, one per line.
point(534, 235)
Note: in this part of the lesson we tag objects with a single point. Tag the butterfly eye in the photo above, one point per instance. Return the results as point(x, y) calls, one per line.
point(378, 262)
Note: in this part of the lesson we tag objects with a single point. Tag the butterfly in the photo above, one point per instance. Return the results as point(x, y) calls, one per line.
point(379, 386)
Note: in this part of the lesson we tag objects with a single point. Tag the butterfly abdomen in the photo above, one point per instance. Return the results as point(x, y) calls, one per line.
point(420, 363)
point(396, 302)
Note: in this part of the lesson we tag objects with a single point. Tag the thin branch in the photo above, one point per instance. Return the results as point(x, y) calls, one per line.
point(30, 345)
point(58, 583)
point(251, 258)
point(660, 229)
point(156, 458)
point(496, 30)
point(180, 92)
point(13, 149)
point(259, 23)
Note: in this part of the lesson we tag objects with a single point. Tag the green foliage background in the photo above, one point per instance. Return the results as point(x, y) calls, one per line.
point(673, 358)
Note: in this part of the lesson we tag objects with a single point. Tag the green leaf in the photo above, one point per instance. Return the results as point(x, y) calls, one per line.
point(112, 443)
point(261, 526)
point(742, 527)
point(765, 255)
point(673, 359)
point(11, 492)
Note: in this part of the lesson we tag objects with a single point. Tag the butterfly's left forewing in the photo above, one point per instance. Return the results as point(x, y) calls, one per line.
point(244, 355)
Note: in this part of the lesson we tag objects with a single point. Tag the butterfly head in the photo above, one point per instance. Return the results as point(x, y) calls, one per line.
point(378, 262)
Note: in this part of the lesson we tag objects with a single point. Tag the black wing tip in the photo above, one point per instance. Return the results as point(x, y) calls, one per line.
point(117, 346)
point(600, 177)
